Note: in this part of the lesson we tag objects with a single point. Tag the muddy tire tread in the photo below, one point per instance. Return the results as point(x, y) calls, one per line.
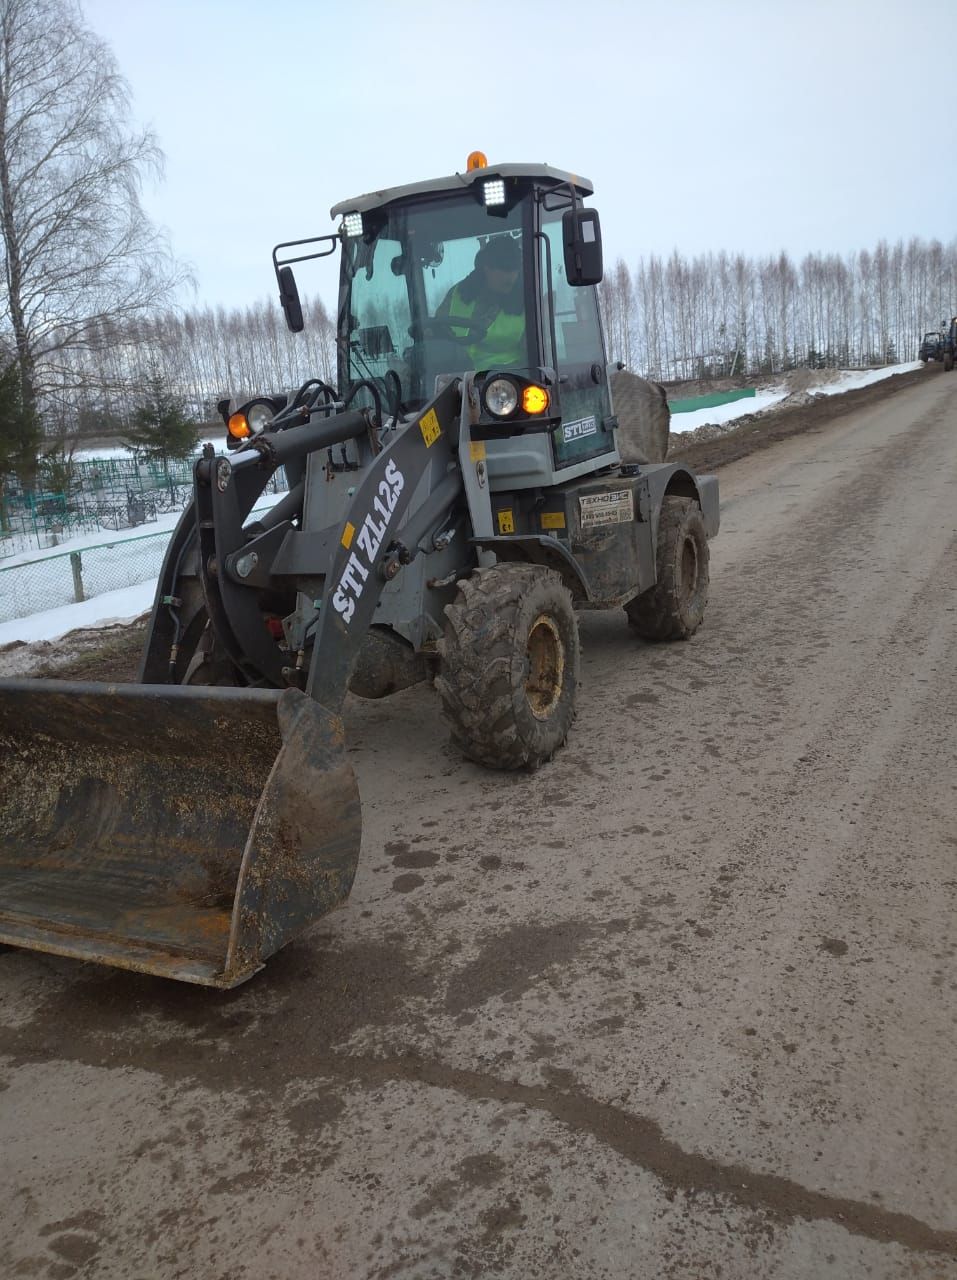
point(479, 681)
point(662, 614)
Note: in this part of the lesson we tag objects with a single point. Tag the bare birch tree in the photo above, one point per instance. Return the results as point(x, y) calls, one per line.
point(78, 248)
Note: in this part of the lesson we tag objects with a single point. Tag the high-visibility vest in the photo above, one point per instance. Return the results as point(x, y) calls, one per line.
point(504, 340)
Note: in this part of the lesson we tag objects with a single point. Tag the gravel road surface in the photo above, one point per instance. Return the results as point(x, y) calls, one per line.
point(680, 1004)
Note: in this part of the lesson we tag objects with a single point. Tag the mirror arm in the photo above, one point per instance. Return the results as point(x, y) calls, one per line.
point(304, 257)
point(576, 223)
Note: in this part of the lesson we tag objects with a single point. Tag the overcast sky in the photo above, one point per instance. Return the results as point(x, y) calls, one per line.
point(746, 126)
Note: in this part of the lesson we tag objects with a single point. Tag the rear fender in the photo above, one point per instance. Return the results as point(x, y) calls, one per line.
point(667, 480)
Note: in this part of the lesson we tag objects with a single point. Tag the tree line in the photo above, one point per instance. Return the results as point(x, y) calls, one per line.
point(719, 313)
point(201, 356)
point(91, 342)
point(669, 319)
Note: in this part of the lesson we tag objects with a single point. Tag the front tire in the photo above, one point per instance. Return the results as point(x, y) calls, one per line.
point(510, 660)
point(674, 607)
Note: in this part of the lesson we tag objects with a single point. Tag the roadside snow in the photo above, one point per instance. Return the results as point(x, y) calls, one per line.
point(120, 451)
point(719, 414)
point(102, 611)
point(850, 380)
point(120, 605)
point(767, 397)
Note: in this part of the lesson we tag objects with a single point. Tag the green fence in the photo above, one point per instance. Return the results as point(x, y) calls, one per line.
point(69, 577)
point(100, 495)
point(74, 576)
point(710, 401)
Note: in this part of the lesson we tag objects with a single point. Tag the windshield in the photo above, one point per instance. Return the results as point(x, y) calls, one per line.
point(439, 288)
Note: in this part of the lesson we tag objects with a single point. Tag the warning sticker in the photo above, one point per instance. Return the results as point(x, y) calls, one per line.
point(429, 426)
point(615, 507)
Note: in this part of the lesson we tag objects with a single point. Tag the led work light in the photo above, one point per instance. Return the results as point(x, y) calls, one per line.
point(493, 192)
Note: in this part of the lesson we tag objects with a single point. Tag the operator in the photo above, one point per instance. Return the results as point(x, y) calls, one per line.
point(491, 298)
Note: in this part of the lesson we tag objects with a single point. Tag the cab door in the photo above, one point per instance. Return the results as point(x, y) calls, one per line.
point(586, 429)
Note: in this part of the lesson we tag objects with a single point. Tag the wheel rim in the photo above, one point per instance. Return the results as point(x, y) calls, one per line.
point(546, 667)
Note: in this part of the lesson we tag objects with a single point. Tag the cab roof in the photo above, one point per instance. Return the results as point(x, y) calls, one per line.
point(457, 181)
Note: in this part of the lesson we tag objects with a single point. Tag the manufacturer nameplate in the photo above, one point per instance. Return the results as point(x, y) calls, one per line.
point(578, 430)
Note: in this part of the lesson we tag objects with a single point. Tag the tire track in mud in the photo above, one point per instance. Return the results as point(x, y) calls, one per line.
point(636, 1138)
point(641, 1141)
point(371, 985)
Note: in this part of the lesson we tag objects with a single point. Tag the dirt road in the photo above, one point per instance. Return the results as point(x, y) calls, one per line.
point(681, 1004)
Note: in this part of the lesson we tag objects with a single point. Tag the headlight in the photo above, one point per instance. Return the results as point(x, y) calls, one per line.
point(254, 416)
point(259, 415)
point(501, 397)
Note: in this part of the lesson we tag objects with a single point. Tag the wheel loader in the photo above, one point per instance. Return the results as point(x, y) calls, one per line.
point(453, 502)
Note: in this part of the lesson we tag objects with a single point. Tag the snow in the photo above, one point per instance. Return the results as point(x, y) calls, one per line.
point(848, 381)
point(113, 606)
point(131, 602)
point(98, 538)
point(141, 556)
point(120, 451)
point(767, 397)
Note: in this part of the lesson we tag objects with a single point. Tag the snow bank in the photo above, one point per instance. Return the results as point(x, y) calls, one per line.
point(826, 384)
point(113, 606)
point(766, 398)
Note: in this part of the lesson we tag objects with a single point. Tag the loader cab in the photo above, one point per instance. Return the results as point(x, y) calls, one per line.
point(492, 272)
point(931, 346)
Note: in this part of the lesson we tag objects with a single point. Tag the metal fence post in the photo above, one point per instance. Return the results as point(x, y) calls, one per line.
point(76, 564)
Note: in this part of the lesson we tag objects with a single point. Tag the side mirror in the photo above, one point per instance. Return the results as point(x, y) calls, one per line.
point(289, 299)
point(581, 234)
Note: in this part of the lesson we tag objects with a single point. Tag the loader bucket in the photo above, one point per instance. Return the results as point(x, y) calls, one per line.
point(172, 830)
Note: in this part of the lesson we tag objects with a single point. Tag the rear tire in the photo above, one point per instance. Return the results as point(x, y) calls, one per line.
point(948, 362)
point(510, 659)
point(674, 607)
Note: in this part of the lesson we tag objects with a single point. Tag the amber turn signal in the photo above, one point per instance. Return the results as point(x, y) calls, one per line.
point(534, 399)
point(238, 427)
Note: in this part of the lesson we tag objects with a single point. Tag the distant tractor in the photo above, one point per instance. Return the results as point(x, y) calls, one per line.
point(932, 346)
